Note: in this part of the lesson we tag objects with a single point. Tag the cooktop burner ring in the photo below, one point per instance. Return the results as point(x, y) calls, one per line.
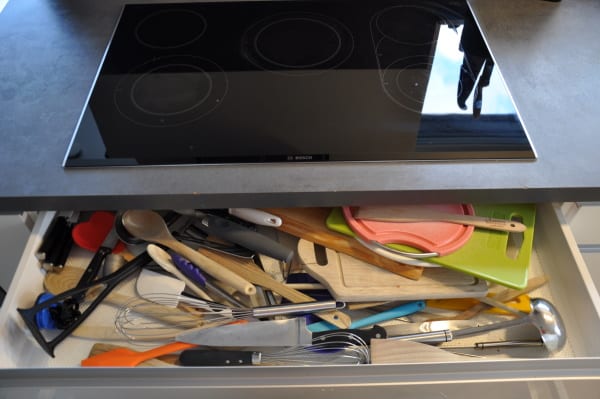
point(333, 36)
point(438, 13)
point(171, 91)
point(139, 81)
point(401, 84)
point(155, 30)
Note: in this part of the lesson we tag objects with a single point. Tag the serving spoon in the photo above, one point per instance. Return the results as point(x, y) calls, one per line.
point(150, 226)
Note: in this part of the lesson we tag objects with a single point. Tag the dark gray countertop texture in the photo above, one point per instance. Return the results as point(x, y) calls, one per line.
point(50, 51)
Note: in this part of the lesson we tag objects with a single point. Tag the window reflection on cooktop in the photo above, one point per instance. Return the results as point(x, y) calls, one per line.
point(297, 81)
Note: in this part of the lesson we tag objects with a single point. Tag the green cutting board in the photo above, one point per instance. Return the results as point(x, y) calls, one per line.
point(487, 254)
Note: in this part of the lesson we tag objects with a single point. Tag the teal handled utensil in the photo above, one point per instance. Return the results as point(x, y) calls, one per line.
point(399, 311)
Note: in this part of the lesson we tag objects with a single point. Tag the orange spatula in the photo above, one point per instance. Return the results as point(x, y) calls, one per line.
point(124, 357)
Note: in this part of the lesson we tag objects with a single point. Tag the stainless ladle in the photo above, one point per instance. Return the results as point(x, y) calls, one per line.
point(543, 316)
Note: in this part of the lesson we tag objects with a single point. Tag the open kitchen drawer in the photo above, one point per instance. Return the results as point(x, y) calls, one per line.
point(28, 371)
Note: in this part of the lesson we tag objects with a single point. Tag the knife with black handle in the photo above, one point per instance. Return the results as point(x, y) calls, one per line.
point(323, 349)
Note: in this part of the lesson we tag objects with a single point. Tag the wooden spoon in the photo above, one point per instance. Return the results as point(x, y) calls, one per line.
point(150, 226)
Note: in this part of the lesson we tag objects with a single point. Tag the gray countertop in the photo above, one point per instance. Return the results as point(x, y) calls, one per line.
point(50, 52)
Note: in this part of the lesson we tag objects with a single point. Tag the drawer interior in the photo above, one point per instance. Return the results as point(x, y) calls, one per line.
point(570, 289)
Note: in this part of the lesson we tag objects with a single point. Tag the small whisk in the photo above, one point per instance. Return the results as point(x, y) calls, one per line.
point(341, 348)
point(159, 317)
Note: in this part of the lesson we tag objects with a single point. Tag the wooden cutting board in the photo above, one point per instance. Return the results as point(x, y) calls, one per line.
point(352, 280)
point(310, 224)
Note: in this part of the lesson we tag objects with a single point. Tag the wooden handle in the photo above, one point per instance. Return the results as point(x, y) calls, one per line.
point(503, 296)
point(214, 268)
point(310, 224)
point(253, 273)
point(403, 214)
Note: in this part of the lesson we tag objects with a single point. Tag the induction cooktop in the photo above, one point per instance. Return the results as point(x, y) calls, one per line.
point(297, 81)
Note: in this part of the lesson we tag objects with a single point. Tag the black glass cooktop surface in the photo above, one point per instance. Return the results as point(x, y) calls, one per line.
point(297, 81)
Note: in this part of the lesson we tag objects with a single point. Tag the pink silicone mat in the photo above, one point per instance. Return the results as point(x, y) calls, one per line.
point(440, 237)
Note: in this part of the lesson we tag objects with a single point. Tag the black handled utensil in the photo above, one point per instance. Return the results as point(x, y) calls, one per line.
point(109, 282)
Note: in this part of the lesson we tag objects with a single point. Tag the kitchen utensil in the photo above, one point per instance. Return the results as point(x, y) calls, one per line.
point(56, 245)
point(189, 234)
point(433, 238)
point(249, 270)
point(386, 351)
point(504, 295)
point(90, 234)
point(501, 305)
point(163, 259)
point(109, 282)
point(394, 330)
point(256, 216)
point(398, 311)
point(149, 283)
point(168, 360)
point(310, 224)
point(520, 303)
point(145, 318)
point(543, 316)
point(487, 254)
point(193, 273)
point(351, 350)
point(230, 231)
point(57, 284)
point(416, 259)
point(124, 357)
point(353, 280)
point(426, 213)
point(274, 333)
point(150, 226)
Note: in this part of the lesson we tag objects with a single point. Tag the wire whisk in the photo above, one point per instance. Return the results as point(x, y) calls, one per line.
point(340, 348)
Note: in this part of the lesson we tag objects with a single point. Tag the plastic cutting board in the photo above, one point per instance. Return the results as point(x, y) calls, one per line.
point(486, 255)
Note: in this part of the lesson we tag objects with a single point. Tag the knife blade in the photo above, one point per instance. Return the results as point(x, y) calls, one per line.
point(270, 333)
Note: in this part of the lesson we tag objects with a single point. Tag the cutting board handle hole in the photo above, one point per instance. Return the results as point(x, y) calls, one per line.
point(320, 255)
point(515, 240)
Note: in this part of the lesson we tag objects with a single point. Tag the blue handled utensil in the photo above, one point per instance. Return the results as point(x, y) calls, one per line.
point(399, 311)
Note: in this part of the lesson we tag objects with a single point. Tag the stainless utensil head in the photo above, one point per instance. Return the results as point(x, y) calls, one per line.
point(545, 317)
